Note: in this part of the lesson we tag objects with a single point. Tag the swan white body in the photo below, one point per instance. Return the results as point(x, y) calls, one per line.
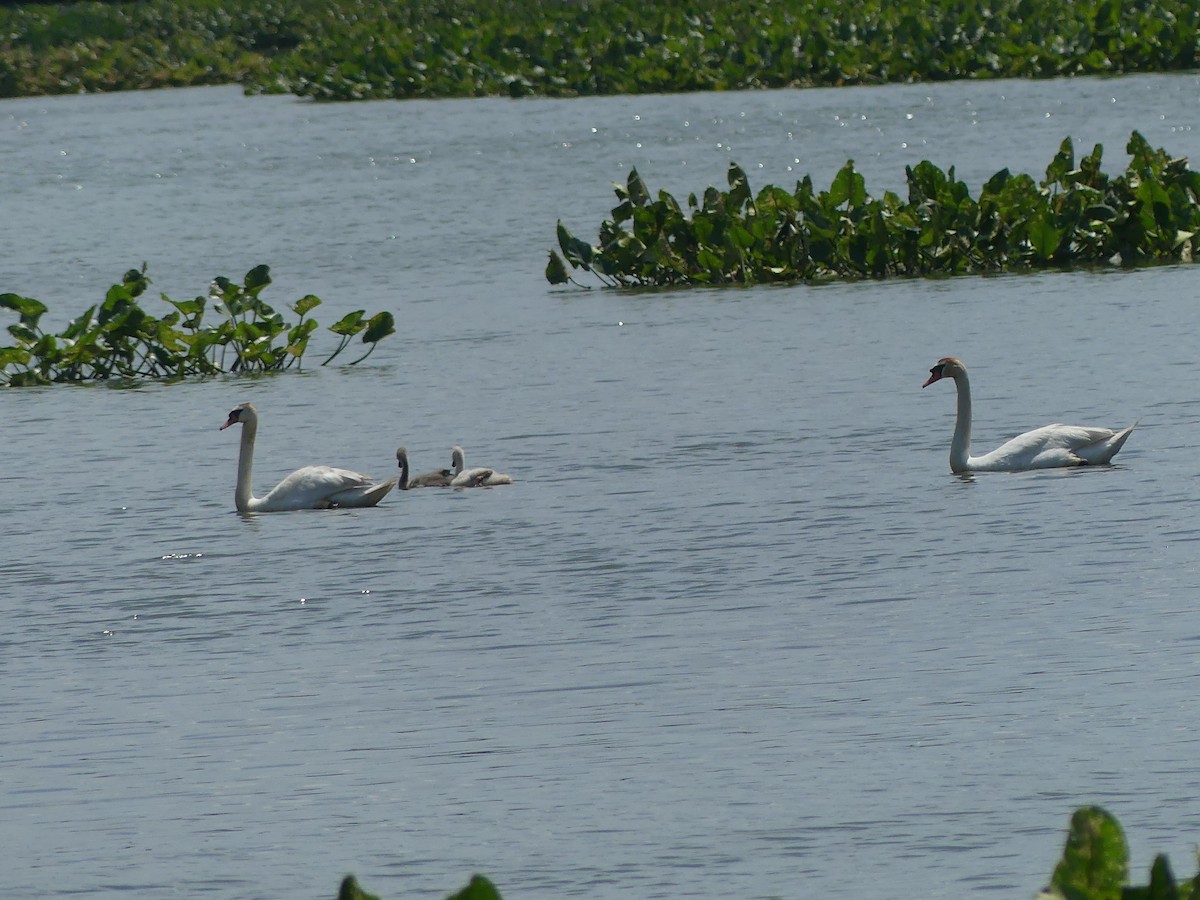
point(313, 487)
point(1048, 447)
point(440, 478)
point(476, 477)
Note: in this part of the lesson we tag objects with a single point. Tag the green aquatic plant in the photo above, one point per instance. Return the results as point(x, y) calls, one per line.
point(1075, 215)
point(373, 330)
point(117, 338)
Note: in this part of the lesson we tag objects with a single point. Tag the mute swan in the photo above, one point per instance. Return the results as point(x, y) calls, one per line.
point(440, 478)
point(313, 487)
point(477, 477)
point(1048, 447)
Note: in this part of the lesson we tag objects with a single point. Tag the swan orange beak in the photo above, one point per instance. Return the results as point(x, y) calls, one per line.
point(935, 374)
point(230, 421)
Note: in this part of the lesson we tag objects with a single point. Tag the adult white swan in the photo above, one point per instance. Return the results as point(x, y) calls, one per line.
point(439, 478)
point(313, 487)
point(476, 477)
point(1048, 447)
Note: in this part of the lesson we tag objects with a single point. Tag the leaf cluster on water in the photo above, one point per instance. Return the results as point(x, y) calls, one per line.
point(1076, 215)
point(117, 338)
point(359, 49)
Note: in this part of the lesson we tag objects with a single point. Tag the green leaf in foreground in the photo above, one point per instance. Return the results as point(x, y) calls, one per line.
point(479, 888)
point(351, 891)
point(1162, 881)
point(1095, 862)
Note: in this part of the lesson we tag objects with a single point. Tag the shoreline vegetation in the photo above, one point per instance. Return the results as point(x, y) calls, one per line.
point(372, 49)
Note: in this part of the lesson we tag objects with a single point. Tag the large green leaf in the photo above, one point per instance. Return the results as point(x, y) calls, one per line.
point(30, 310)
point(257, 279)
point(996, 183)
point(578, 253)
point(13, 356)
point(23, 333)
point(848, 187)
point(379, 326)
point(556, 270)
point(739, 187)
point(349, 890)
point(1044, 238)
point(306, 304)
point(349, 324)
point(1095, 861)
point(636, 189)
point(1062, 164)
point(1162, 882)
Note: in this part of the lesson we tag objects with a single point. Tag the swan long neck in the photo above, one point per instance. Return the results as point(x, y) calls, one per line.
point(403, 457)
point(242, 496)
point(960, 447)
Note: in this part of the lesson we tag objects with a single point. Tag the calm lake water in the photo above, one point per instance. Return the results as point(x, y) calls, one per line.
point(736, 629)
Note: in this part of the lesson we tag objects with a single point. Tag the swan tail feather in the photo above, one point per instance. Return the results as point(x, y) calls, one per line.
point(1101, 452)
point(365, 495)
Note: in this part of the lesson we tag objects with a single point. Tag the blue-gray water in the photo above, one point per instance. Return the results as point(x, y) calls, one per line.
point(736, 630)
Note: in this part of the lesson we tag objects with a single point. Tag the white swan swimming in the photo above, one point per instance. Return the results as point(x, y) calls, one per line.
point(440, 478)
point(1048, 447)
point(313, 487)
point(476, 477)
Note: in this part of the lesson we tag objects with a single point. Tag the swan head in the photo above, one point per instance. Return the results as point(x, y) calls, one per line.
point(401, 455)
point(457, 458)
point(243, 414)
point(947, 367)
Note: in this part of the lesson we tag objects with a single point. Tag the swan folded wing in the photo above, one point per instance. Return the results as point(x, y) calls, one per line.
point(472, 477)
point(440, 478)
point(320, 487)
point(1054, 446)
